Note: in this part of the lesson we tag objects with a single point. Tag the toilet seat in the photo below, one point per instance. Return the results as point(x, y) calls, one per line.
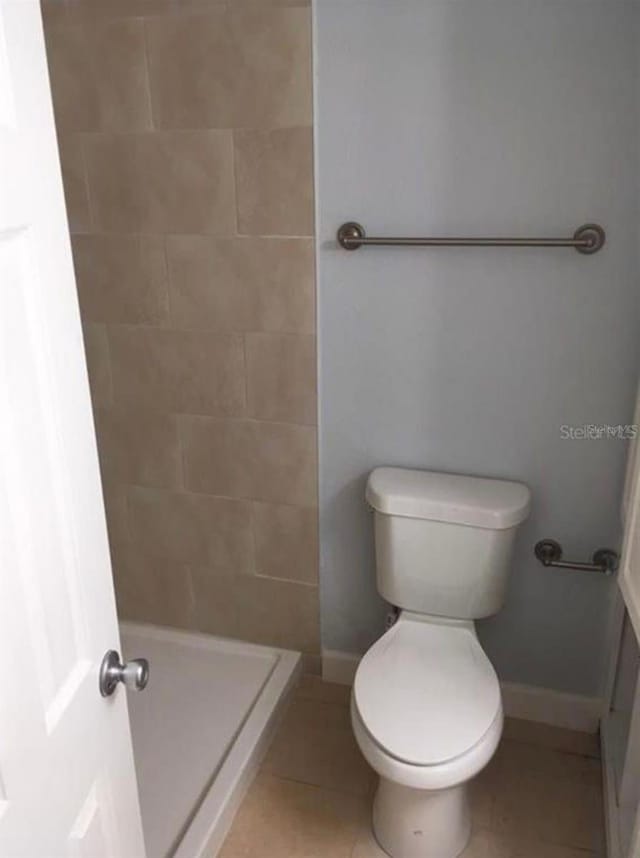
point(427, 695)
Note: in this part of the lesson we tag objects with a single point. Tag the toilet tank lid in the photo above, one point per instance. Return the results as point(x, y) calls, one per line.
point(452, 498)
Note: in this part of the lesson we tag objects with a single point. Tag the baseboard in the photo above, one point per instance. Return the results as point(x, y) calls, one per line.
point(545, 705)
point(573, 711)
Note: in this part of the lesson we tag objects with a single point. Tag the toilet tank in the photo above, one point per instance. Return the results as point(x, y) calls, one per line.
point(444, 542)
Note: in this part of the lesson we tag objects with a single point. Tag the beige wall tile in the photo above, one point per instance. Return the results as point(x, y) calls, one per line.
point(278, 613)
point(274, 179)
point(192, 66)
point(115, 506)
point(160, 268)
point(153, 590)
point(312, 663)
point(98, 76)
point(121, 278)
point(190, 528)
point(286, 541)
point(249, 66)
point(184, 371)
point(281, 377)
point(249, 459)
point(294, 820)
point(242, 284)
point(274, 53)
point(290, 3)
point(74, 178)
point(177, 182)
point(139, 446)
point(54, 12)
point(215, 601)
point(96, 349)
point(109, 9)
point(80, 10)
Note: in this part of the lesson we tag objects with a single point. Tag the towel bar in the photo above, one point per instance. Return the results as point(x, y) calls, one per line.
point(588, 238)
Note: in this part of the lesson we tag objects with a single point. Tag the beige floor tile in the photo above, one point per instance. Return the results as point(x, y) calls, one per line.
point(315, 745)
point(538, 849)
point(482, 796)
point(366, 845)
point(532, 800)
point(556, 810)
point(283, 819)
point(514, 756)
point(487, 844)
point(483, 844)
point(315, 688)
point(556, 738)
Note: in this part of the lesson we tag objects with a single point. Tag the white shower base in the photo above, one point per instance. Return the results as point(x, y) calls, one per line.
point(199, 731)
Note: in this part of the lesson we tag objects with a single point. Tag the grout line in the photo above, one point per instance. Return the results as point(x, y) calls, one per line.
point(147, 74)
point(355, 795)
point(236, 195)
point(182, 468)
point(87, 187)
point(231, 498)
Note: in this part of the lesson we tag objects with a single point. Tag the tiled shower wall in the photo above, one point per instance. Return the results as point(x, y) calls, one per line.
point(186, 146)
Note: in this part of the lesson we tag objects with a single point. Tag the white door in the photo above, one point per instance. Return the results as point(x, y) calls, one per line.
point(620, 726)
point(67, 780)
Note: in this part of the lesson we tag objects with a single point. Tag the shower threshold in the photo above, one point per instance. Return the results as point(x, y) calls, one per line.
point(200, 730)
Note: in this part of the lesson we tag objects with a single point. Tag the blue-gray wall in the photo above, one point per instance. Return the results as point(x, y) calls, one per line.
point(479, 117)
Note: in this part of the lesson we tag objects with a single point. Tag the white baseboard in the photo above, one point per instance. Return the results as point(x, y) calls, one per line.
point(545, 705)
point(573, 711)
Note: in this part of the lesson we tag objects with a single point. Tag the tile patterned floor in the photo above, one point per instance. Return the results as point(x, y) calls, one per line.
point(540, 797)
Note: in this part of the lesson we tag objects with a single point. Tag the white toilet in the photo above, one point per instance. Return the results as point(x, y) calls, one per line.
point(426, 706)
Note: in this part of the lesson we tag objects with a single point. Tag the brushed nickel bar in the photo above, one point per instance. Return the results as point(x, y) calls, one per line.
point(589, 238)
point(549, 553)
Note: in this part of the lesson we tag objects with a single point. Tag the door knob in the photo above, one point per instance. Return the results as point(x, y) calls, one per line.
point(133, 675)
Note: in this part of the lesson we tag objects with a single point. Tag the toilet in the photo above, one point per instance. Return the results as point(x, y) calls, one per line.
point(426, 707)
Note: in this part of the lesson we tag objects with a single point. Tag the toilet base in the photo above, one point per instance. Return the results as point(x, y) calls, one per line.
point(418, 823)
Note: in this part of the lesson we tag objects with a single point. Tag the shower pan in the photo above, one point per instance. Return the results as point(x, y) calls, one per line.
point(200, 730)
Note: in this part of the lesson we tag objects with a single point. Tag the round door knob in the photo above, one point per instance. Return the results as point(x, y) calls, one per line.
point(133, 675)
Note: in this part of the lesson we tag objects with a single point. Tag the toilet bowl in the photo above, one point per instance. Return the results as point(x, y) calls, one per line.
point(426, 708)
point(427, 715)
